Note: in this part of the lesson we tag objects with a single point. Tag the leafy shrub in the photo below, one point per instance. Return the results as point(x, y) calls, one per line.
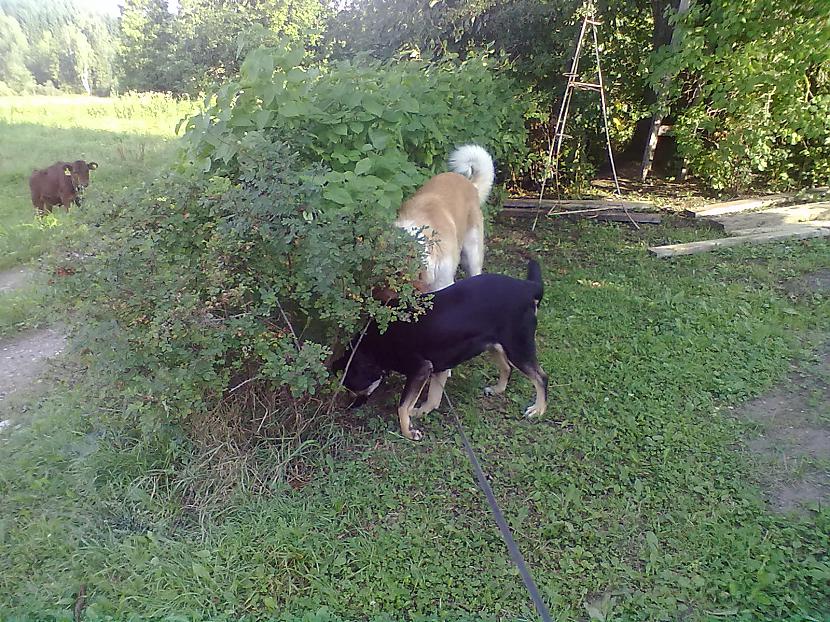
point(212, 298)
point(209, 283)
point(380, 128)
point(756, 80)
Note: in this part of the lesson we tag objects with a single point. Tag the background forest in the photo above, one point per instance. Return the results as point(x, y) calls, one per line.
point(747, 85)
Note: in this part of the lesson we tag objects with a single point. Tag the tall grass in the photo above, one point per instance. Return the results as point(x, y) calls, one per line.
point(131, 137)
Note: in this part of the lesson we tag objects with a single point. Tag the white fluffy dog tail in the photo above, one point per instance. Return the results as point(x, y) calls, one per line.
point(476, 165)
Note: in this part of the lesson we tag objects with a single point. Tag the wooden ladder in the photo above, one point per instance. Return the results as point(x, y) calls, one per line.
point(573, 84)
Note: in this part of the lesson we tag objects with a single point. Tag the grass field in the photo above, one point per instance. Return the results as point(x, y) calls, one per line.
point(634, 499)
point(129, 137)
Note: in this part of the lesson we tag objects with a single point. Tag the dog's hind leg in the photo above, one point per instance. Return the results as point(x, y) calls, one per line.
point(472, 250)
point(412, 390)
point(521, 353)
point(436, 392)
point(504, 371)
point(540, 381)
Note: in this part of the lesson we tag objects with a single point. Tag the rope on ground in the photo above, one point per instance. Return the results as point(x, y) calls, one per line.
point(507, 536)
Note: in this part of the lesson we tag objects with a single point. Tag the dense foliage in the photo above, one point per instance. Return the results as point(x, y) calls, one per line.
point(748, 83)
point(60, 44)
point(538, 37)
point(217, 282)
point(205, 40)
point(379, 128)
point(753, 93)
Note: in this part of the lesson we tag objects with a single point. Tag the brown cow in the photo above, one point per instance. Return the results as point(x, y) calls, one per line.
point(60, 184)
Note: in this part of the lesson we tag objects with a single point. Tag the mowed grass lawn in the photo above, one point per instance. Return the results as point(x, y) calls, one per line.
point(633, 498)
point(129, 136)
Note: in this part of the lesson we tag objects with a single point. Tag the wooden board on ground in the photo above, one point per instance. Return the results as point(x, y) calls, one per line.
point(794, 232)
point(549, 204)
point(776, 217)
point(820, 224)
point(731, 207)
point(611, 215)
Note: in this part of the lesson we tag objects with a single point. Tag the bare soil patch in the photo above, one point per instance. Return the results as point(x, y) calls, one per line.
point(794, 443)
point(817, 282)
point(14, 278)
point(24, 357)
point(794, 418)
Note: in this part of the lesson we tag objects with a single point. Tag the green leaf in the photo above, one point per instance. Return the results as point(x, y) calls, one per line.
point(296, 75)
point(290, 109)
point(373, 106)
point(262, 118)
point(364, 166)
point(337, 194)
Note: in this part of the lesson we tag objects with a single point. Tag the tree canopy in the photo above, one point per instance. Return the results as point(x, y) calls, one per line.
point(747, 95)
point(58, 43)
point(205, 41)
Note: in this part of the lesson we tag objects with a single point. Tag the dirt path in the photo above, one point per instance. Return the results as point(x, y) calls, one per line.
point(23, 358)
point(794, 445)
point(16, 277)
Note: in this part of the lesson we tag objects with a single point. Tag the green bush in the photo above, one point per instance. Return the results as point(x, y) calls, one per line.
point(754, 89)
point(211, 299)
point(381, 128)
point(211, 283)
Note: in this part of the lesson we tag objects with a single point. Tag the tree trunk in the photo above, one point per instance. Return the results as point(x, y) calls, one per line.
point(660, 36)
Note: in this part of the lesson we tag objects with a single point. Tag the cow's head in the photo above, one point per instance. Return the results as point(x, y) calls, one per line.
point(79, 171)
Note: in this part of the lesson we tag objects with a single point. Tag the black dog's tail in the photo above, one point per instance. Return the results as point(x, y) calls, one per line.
point(534, 275)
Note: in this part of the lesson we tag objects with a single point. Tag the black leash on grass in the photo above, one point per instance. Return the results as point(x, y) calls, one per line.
point(507, 536)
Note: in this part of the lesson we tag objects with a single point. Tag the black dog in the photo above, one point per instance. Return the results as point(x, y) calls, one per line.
point(485, 312)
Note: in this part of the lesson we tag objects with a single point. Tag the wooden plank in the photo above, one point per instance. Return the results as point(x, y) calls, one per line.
point(578, 203)
point(731, 207)
point(776, 217)
point(813, 223)
point(606, 216)
point(792, 232)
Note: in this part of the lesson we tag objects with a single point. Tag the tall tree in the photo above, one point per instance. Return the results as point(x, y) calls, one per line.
point(146, 56)
point(13, 50)
point(67, 44)
point(205, 41)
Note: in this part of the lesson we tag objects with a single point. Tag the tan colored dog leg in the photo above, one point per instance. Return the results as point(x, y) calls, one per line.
point(411, 392)
point(540, 382)
point(504, 371)
point(436, 392)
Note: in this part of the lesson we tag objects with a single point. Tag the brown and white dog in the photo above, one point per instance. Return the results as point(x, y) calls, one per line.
point(445, 215)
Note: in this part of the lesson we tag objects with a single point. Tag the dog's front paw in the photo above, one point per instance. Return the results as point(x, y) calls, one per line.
point(533, 410)
point(414, 434)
